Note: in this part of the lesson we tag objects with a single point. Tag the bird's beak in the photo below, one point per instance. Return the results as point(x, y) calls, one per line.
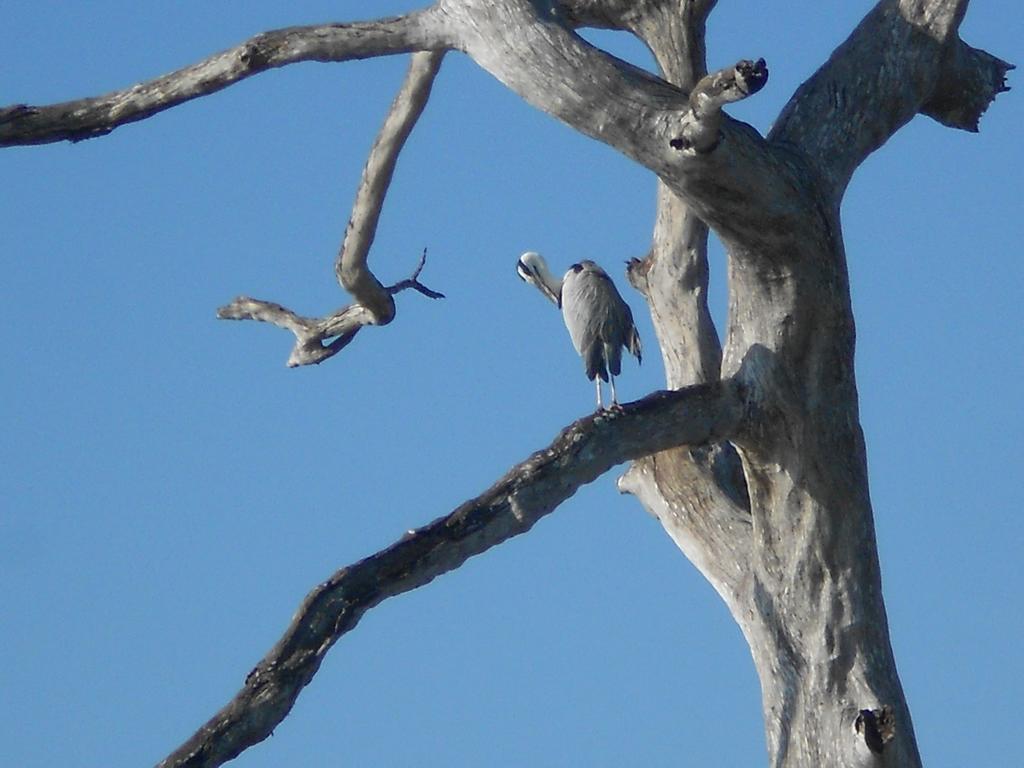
point(523, 271)
point(528, 275)
point(549, 293)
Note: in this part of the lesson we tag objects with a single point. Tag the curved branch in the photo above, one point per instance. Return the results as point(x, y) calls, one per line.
point(88, 118)
point(351, 267)
point(374, 304)
point(310, 333)
point(581, 453)
point(547, 64)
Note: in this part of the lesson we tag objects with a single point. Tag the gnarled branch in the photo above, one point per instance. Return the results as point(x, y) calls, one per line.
point(532, 489)
point(702, 124)
point(351, 267)
point(310, 333)
point(374, 304)
point(538, 57)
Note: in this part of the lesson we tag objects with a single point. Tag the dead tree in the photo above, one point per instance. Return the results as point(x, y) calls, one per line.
point(753, 460)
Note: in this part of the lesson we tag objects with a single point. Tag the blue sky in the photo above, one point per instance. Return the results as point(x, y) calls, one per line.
point(170, 491)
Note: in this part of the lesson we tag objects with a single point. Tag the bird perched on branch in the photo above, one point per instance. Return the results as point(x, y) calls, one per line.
point(599, 321)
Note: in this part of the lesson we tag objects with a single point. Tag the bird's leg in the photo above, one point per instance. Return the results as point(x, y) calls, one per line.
point(615, 398)
point(597, 381)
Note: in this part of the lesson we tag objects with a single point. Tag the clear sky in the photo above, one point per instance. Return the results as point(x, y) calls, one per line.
point(169, 490)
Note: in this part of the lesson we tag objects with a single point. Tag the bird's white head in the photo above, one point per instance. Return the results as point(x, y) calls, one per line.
point(532, 268)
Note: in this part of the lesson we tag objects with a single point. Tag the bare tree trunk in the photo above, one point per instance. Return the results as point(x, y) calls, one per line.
point(756, 467)
point(794, 555)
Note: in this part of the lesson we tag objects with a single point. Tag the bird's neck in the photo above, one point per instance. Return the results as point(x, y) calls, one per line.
point(545, 275)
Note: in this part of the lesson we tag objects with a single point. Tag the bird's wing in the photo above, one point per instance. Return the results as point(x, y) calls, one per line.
point(600, 322)
point(619, 330)
point(583, 296)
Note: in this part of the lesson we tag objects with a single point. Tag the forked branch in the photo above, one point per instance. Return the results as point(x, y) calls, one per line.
point(537, 54)
point(310, 333)
point(374, 303)
point(582, 452)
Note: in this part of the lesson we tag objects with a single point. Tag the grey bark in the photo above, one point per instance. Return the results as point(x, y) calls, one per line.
point(579, 454)
point(88, 118)
point(352, 270)
point(318, 339)
point(756, 466)
point(374, 304)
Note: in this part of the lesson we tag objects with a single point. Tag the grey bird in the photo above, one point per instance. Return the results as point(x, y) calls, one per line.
point(599, 321)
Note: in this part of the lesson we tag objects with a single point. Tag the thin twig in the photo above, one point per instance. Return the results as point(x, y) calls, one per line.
point(414, 283)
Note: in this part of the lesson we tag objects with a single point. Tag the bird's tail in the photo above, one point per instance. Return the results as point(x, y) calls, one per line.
point(633, 345)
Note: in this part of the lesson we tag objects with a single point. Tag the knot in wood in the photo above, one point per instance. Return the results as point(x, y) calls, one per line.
point(877, 727)
point(253, 56)
point(751, 76)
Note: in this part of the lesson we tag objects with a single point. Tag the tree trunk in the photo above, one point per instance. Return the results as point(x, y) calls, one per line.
point(790, 548)
point(800, 574)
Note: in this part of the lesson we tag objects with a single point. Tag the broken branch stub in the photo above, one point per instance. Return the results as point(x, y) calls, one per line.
point(702, 123)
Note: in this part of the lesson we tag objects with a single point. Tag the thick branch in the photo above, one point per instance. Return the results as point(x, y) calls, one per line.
point(310, 333)
point(673, 277)
point(351, 267)
point(633, 14)
point(553, 69)
point(91, 117)
point(698, 495)
point(674, 31)
point(903, 58)
point(538, 57)
point(598, 14)
point(534, 488)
